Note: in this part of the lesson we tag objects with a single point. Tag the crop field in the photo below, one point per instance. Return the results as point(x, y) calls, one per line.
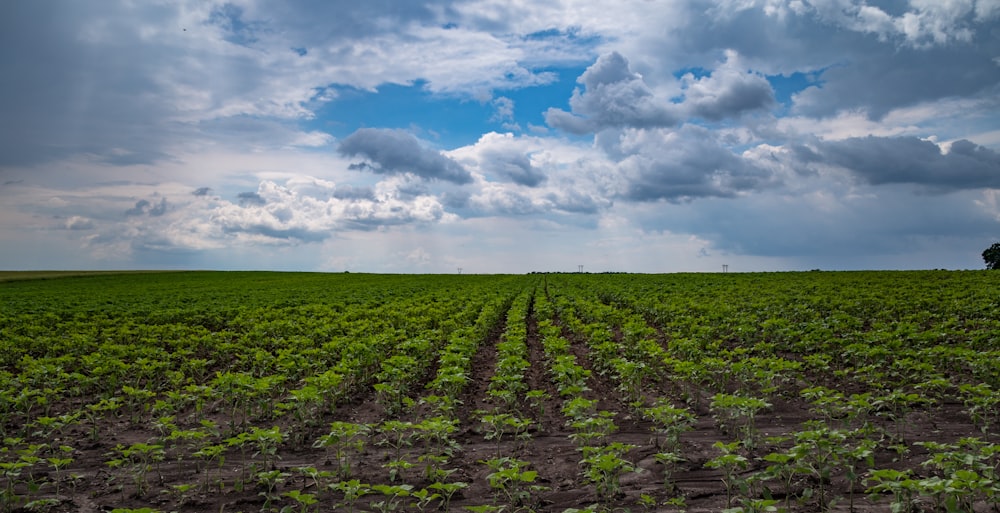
point(300, 392)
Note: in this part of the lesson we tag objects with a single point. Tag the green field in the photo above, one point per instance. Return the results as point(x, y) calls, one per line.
point(261, 391)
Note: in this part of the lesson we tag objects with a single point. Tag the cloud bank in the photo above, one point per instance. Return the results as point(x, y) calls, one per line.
point(321, 135)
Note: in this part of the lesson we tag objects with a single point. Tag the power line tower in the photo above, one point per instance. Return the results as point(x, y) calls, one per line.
point(725, 268)
point(459, 270)
point(579, 268)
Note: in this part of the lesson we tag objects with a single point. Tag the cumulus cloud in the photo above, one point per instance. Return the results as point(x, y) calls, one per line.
point(613, 96)
point(170, 219)
point(729, 91)
point(679, 166)
point(515, 167)
point(314, 209)
point(910, 160)
point(390, 151)
point(503, 157)
point(922, 23)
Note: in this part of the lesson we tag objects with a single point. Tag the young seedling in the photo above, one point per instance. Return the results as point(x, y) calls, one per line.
point(423, 498)
point(899, 483)
point(216, 453)
point(352, 491)
point(141, 458)
point(668, 460)
point(393, 497)
point(499, 424)
point(536, 400)
point(343, 438)
point(269, 480)
point(303, 501)
point(730, 463)
point(448, 490)
point(740, 412)
point(668, 422)
point(593, 429)
point(604, 466)
point(58, 464)
point(511, 481)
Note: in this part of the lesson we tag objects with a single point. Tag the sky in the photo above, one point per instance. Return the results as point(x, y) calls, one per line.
point(499, 136)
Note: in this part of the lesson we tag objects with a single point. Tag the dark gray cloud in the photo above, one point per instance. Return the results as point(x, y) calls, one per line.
point(202, 191)
point(613, 97)
point(576, 202)
point(294, 234)
point(729, 91)
point(250, 198)
point(862, 64)
point(685, 165)
point(510, 164)
point(910, 160)
point(80, 79)
point(391, 152)
point(145, 207)
point(835, 229)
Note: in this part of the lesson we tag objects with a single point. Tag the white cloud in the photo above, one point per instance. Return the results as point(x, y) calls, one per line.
point(729, 91)
point(614, 96)
point(187, 129)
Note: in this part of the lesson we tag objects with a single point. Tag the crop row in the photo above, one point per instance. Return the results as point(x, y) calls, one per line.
point(315, 392)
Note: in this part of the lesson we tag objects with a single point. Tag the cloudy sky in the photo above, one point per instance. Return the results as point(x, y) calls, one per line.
point(499, 135)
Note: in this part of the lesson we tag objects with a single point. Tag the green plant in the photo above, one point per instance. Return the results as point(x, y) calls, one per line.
point(730, 462)
point(423, 498)
point(496, 425)
point(303, 501)
point(393, 497)
point(269, 480)
point(351, 491)
point(343, 438)
point(668, 422)
point(216, 453)
point(536, 400)
point(604, 466)
point(511, 481)
point(899, 483)
point(740, 412)
point(11, 472)
point(668, 460)
point(594, 429)
point(59, 463)
point(42, 504)
point(140, 458)
point(448, 490)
